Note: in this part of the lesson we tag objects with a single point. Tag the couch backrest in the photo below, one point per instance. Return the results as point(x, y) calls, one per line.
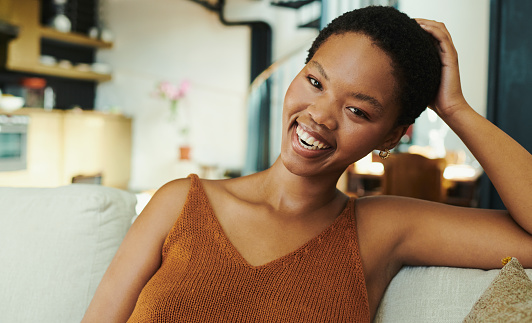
point(55, 245)
point(433, 294)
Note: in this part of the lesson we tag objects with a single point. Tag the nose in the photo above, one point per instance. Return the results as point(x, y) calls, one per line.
point(324, 112)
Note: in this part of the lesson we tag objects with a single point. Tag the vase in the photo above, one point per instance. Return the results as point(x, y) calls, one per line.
point(184, 152)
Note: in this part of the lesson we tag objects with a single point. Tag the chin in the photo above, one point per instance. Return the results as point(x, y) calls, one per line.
point(300, 169)
point(293, 166)
point(297, 170)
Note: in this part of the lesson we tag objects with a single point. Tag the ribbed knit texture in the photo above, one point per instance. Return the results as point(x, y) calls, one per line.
point(203, 278)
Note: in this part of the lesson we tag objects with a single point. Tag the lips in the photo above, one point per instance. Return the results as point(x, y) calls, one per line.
point(309, 144)
point(308, 141)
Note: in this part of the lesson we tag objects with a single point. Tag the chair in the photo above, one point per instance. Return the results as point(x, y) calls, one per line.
point(88, 179)
point(415, 176)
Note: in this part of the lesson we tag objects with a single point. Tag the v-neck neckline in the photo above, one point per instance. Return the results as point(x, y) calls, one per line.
point(284, 259)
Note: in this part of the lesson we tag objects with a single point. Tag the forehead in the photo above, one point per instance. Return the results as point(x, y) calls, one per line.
point(353, 41)
point(354, 62)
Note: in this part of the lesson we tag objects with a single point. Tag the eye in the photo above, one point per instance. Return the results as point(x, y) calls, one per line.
point(358, 112)
point(315, 83)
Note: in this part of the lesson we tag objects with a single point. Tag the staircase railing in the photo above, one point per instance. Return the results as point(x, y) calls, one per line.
point(212, 5)
point(269, 88)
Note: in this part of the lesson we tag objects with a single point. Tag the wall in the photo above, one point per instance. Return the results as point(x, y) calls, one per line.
point(468, 23)
point(175, 40)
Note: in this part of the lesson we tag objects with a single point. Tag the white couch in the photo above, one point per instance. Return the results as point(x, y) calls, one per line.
point(55, 244)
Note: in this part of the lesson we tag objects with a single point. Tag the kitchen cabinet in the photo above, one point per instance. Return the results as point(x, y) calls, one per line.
point(65, 144)
point(97, 143)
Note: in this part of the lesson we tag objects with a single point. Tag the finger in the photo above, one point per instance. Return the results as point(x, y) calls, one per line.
point(444, 39)
point(447, 50)
point(437, 29)
point(433, 23)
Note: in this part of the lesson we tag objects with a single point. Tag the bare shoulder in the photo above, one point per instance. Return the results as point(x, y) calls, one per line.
point(167, 202)
point(174, 192)
point(158, 217)
point(385, 215)
point(381, 229)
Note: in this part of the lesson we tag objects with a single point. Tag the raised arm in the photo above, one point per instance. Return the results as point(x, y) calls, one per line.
point(506, 162)
point(138, 257)
point(408, 231)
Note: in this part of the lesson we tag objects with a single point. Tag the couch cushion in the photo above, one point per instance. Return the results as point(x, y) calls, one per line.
point(55, 245)
point(433, 294)
point(507, 299)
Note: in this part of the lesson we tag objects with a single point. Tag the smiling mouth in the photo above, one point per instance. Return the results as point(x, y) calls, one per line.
point(309, 142)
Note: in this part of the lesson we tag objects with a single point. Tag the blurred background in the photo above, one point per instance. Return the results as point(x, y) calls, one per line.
point(134, 93)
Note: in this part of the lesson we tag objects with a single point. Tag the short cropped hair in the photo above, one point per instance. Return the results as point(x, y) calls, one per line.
point(415, 59)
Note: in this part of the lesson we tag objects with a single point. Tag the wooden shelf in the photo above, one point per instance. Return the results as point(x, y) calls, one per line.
point(7, 29)
point(62, 72)
point(73, 38)
point(24, 51)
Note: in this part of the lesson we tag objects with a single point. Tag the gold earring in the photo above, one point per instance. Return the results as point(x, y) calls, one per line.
point(383, 154)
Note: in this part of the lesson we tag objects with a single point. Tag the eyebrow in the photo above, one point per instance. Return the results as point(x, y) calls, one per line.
point(369, 99)
point(320, 69)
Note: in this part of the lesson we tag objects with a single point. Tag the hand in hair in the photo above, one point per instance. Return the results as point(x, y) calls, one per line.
point(503, 159)
point(449, 97)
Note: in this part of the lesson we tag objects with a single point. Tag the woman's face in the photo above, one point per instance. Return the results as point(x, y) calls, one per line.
point(341, 106)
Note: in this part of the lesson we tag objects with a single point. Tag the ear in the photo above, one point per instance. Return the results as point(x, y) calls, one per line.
point(393, 137)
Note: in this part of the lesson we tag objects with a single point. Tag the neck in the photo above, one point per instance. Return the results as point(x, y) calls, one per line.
point(293, 194)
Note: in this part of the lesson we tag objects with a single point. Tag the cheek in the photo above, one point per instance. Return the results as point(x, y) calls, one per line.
point(296, 96)
point(360, 139)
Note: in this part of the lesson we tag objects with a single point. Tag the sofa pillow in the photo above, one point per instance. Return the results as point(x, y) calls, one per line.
point(55, 245)
point(507, 299)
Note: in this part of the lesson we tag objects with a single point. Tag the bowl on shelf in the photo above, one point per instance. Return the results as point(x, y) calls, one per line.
point(10, 103)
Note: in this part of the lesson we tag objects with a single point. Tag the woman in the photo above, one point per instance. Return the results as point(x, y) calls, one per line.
point(284, 244)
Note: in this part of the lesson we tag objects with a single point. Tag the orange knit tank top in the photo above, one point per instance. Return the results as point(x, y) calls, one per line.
point(204, 279)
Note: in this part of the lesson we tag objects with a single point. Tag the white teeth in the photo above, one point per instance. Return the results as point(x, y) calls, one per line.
point(309, 142)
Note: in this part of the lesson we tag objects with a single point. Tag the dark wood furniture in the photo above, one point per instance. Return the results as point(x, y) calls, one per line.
point(415, 176)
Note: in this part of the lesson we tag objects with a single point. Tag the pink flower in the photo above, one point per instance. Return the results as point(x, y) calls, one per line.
point(184, 88)
point(167, 90)
point(172, 93)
